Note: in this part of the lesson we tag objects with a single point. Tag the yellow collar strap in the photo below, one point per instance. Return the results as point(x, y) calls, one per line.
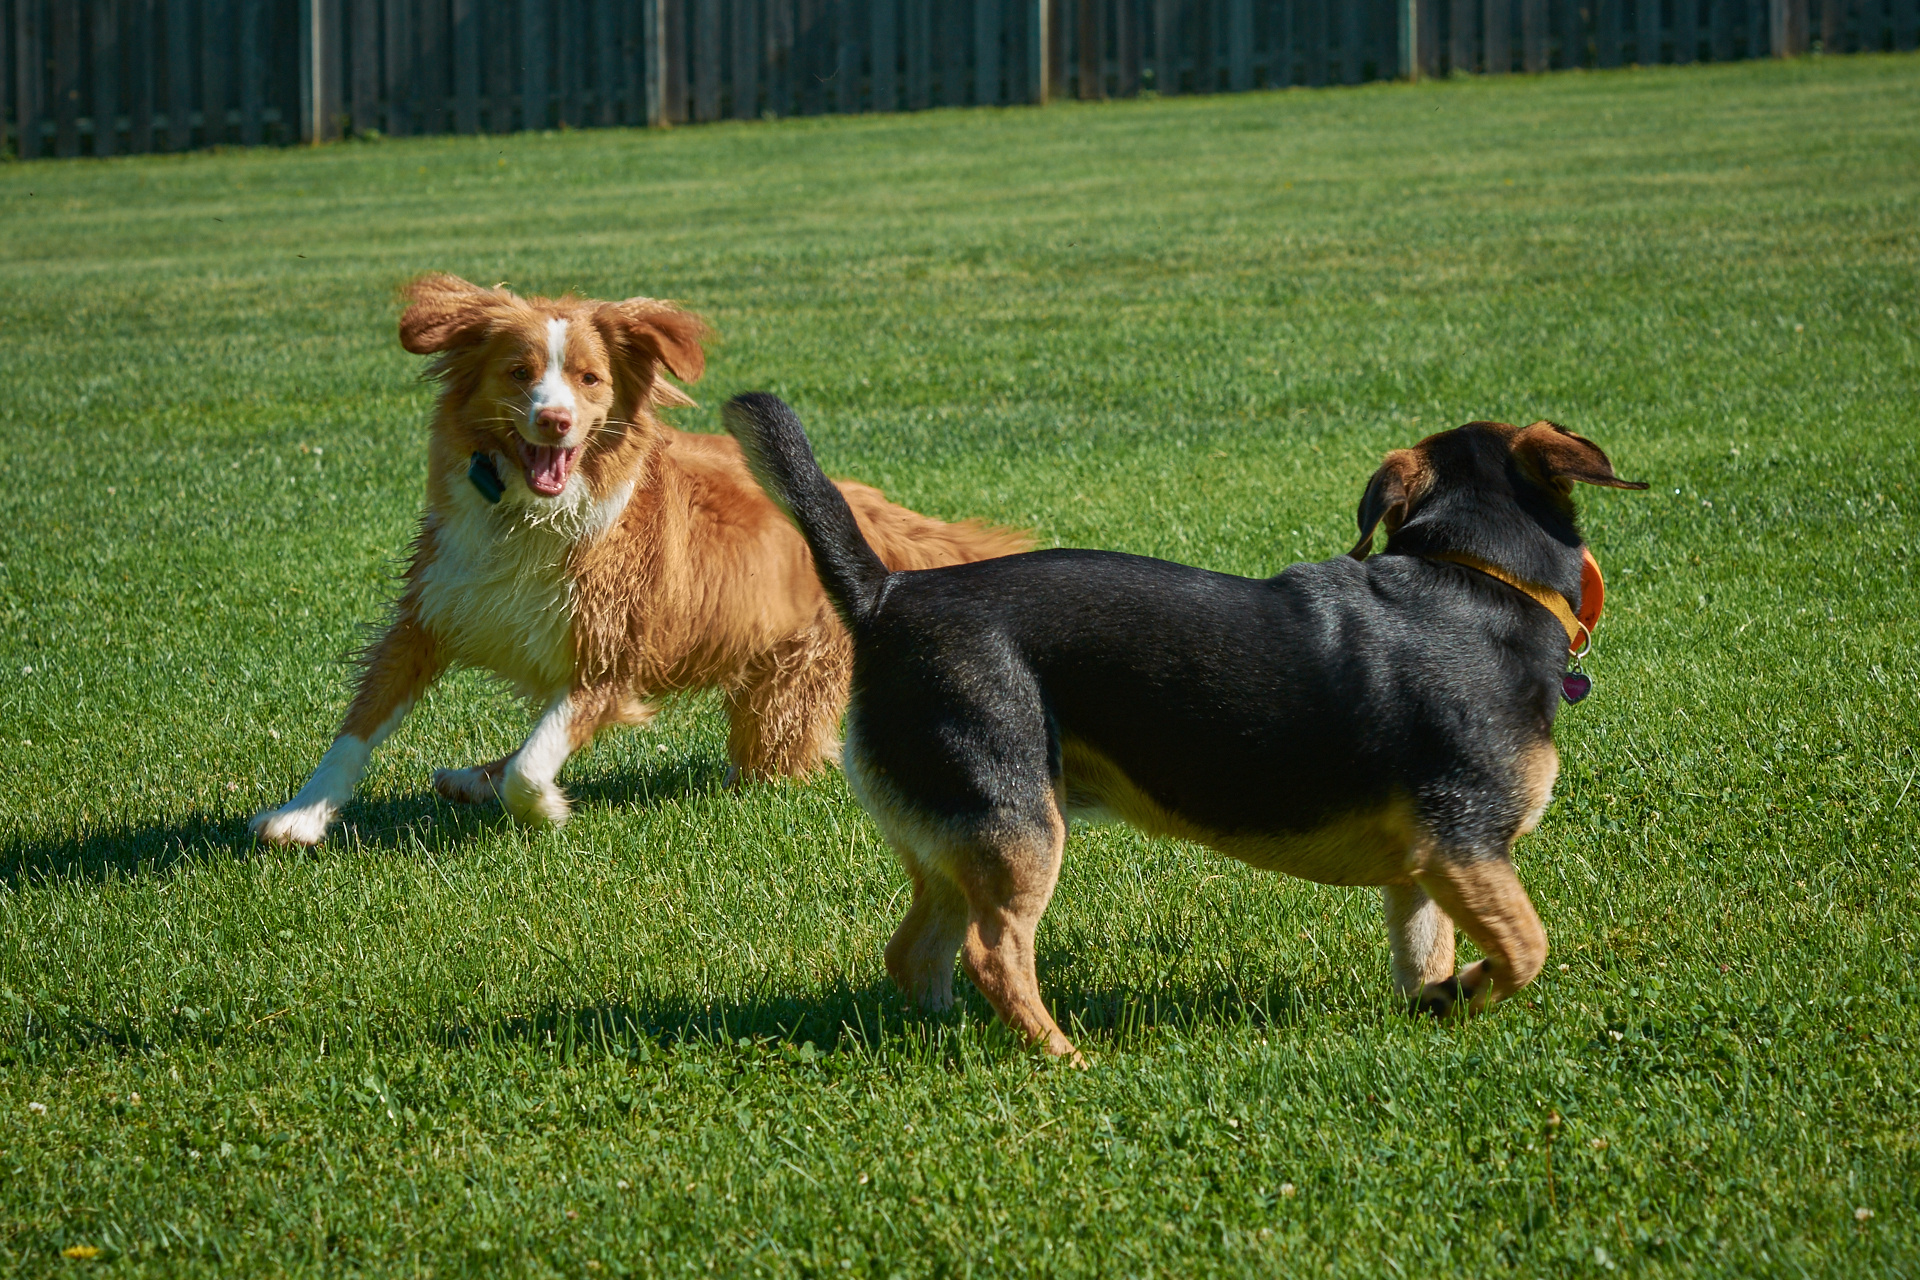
point(1578, 637)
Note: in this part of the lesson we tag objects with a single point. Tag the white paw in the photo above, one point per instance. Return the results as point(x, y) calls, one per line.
point(466, 786)
point(294, 823)
point(537, 804)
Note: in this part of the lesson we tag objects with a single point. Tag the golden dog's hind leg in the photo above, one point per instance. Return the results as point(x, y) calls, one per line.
point(394, 671)
point(1420, 936)
point(590, 711)
point(784, 714)
point(1484, 897)
point(1008, 880)
point(475, 785)
point(602, 707)
point(921, 953)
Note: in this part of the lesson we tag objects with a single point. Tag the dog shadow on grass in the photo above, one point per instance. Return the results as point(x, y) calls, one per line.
point(125, 851)
point(397, 825)
point(623, 788)
point(873, 1019)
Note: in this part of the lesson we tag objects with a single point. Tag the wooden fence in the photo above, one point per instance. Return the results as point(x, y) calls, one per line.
point(104, 77)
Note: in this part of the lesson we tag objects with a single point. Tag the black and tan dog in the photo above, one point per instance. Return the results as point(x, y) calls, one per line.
point(1383, 721)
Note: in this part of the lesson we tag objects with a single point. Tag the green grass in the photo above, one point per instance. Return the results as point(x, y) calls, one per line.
point(661, 1040)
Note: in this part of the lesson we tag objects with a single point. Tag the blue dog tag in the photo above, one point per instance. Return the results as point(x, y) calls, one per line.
point(485, 477)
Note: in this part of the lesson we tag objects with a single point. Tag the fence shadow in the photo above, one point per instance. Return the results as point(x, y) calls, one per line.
point(422, 818)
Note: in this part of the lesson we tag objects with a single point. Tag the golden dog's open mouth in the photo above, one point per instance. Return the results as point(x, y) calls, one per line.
point(547, 467)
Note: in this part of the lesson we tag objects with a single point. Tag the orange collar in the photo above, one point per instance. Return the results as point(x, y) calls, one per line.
point(1579, 626)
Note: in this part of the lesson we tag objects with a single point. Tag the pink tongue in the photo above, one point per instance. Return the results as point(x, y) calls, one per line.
point(547, 467)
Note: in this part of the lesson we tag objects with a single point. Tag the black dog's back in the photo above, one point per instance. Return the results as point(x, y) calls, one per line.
point(1242, 705)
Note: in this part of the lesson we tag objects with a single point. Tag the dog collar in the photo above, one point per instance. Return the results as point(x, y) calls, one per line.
point(1579, 630)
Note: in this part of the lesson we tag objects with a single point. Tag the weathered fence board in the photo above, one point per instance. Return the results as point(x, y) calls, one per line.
point(252, 72)
point(103, 98)
point(28, 36)
point(1534, 36)
point(466, 66)
point(66, 80)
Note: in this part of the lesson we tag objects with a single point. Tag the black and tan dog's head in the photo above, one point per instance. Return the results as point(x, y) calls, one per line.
point(1492, 490)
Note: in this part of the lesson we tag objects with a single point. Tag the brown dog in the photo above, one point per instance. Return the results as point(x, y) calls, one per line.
point(593, 557)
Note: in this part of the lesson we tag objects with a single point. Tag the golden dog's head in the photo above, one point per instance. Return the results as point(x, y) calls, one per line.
point(546, 386)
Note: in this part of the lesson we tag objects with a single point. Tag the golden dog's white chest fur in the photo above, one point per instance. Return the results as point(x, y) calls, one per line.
point(497, 592)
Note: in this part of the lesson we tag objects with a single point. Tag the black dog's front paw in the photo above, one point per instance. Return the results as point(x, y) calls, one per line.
point(1459, 992)
point(1440, 998)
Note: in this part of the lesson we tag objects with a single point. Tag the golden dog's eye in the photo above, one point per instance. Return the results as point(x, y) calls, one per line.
point(521, 373)
point(590, 378)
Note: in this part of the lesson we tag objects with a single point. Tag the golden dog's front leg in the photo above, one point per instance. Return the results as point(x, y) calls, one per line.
point(395, 671)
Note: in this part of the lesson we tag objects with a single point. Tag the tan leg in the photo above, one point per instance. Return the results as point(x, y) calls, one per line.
point(1484, 897)
point(1420, 936)
point(921, 953)
point(784, 716)
point(394, 671)
point(1008, 886)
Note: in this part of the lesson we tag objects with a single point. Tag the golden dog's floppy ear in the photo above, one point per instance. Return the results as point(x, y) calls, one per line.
point(445, 312)
point(1554, 455)
point(1403, 476)
point(649, 334)
point(667, 396)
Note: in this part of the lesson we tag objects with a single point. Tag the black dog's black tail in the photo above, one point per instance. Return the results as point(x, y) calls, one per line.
point(782, 461)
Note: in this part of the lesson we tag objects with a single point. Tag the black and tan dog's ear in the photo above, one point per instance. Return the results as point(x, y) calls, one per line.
point(1403, 476)
point(445, 312)
point(651, 335)
point(1551, 453)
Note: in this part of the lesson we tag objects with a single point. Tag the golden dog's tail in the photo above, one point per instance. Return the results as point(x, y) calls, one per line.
point(782, 460)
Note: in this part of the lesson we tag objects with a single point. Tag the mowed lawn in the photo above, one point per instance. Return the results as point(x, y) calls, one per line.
point(661, 1040)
